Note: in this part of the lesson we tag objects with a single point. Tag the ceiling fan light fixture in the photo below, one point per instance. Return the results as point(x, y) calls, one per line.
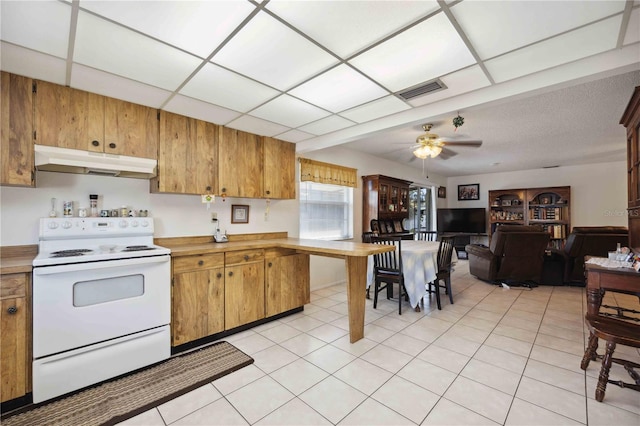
point(426, 151)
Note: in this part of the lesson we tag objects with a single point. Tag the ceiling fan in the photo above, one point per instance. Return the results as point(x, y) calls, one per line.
point(432, 145)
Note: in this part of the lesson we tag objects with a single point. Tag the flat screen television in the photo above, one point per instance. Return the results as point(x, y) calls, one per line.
point(463, 221)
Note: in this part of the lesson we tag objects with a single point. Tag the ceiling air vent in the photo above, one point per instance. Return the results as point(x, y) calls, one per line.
point(422, 89)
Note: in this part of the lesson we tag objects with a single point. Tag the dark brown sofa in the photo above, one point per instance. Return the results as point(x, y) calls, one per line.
point(589, 241)
point(516, 253)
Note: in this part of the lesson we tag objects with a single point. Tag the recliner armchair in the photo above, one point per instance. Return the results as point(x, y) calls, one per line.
point(516, 253)
point(589, 241)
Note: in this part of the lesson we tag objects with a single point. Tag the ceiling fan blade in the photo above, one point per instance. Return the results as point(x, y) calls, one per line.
point(446, 154)
point(463, 143)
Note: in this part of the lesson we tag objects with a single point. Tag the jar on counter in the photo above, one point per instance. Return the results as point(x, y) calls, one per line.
point(67, 208)
point(124, 211)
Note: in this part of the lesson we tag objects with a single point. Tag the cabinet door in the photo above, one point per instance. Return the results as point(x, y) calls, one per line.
point(241, 164)
point(286, 283)
point(16, 141)
point(244, 294)
point(187, 160)
point(68, 118)
point(13, 340)
point(197, 305)
point(130, 129)
point(279, 169)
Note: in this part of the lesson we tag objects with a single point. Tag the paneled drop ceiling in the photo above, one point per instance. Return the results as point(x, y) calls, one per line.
point(326, 73)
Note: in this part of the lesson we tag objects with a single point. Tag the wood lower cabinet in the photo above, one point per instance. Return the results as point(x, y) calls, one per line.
point(286, 281)
point(244, 287)
point(15, 339)
point(16, 128)
point(241, 164)
point(197, 307)
point(71, 118)
point(279, 169)
point(188, 156)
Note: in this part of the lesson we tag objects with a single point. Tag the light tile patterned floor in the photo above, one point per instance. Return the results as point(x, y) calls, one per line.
point(497, 356)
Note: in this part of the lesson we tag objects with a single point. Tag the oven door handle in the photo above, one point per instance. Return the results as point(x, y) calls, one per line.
point(57, 269)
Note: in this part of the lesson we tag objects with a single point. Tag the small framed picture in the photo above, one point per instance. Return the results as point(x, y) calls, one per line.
point(442, 192)
point(239, 213)
point(469, 192)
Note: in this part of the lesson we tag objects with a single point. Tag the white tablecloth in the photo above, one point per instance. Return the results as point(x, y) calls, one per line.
point(419, 264)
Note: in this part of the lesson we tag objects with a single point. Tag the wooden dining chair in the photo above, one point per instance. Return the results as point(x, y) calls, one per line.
point(426, 235)
point(445, 252)
point(387, 270)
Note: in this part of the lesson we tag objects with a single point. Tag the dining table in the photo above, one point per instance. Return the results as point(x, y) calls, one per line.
point(601, 279)
point(419, 266)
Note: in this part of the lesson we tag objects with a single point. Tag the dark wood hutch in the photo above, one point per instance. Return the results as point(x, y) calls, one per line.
point(631, 120)
point(385, 199)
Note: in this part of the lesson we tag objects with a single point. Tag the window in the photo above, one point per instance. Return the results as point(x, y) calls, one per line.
point(326, 211)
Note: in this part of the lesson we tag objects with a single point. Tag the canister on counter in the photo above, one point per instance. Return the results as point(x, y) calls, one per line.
point(67, 208)
point(124, 211)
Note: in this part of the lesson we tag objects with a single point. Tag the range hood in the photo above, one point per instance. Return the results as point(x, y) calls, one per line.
point(54, 159)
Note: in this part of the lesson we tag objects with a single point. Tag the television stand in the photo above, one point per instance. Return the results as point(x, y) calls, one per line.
point(461, 240)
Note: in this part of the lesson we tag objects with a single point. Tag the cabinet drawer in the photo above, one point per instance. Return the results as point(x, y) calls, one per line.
point(243, 256)
point(198, 262)
point(13, 285)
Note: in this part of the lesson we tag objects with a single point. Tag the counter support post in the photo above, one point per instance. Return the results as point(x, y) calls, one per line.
point(356, 289)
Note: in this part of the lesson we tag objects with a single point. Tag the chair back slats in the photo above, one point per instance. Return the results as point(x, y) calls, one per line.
point(366, 236)
point(426, 235)
point(390, 261)
point(445, 252)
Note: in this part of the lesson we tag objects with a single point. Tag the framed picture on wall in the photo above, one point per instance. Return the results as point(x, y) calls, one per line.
point(239, 213)
point(442, 192)
point(469, 192)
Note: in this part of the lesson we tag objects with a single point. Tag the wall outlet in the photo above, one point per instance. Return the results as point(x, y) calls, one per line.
point(214, 217)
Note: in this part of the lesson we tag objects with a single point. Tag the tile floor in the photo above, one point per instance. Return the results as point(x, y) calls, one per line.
point(497, 356)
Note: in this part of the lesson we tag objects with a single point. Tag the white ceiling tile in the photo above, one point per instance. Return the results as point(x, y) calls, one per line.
point(327, 125)
point(227, 89)
point(195, 26)
point(294, 136)
point(633, 30)
point(376, 109)
point(459, 82)
point(92, 80)
point(38, 25)
point(496, 27)
point(583, 42)
point(345, 27)
point(272, 53)
point(289, 111)
point(338, 89)
point(129, 54)
point(421, 53)
point(29, 63)
point(257, 126)
point(201, 110)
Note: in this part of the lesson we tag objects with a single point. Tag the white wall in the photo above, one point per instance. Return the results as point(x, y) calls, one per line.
point(174, 215)
point(598, 191)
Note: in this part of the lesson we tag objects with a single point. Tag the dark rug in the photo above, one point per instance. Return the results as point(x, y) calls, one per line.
point(119, 399)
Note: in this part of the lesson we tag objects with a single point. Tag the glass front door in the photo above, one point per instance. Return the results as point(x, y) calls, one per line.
point(421, 210)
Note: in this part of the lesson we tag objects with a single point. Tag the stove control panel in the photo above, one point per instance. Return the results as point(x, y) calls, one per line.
point(79, 227)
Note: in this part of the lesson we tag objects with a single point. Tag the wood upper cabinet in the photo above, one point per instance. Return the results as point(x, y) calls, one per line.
point(244, 287)
point(188, 156)
point(16, 140)
point(15, 362)
point(240, 164)
point(287, 283)
point(197, 307)
point(279, 169)
point(71, 118)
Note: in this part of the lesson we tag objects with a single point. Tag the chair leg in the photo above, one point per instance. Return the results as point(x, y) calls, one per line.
point(604, 371)
point(436, 288)
point(368, 295)
point(400, 298)
point(375, 294)
point(590, 352)
point(447, 283)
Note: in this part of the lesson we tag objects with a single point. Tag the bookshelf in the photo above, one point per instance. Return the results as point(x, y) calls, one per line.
point(549, 207)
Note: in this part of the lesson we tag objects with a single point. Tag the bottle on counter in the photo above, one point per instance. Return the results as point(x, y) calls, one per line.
point(93, 205)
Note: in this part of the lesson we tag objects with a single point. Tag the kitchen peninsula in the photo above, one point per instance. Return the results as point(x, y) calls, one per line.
point(252, 248)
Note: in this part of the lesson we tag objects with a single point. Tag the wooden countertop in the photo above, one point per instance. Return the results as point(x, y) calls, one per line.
point(339, 249)
point(17, 259)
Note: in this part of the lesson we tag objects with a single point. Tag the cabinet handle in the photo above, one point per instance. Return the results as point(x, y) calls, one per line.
point(201, 262)
point(223, 190)
point(270, 264)
point(246, 257)
point(230, 274)
point(268, 192)
point(208, 188)
point(12, 310)
point(95, 143)
point(112, 145)
point(218, 275)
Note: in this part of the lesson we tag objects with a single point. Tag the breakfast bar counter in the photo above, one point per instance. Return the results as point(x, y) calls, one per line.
point(354, 254)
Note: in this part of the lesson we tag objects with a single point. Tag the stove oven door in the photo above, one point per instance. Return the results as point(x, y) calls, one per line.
point(86, 303)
